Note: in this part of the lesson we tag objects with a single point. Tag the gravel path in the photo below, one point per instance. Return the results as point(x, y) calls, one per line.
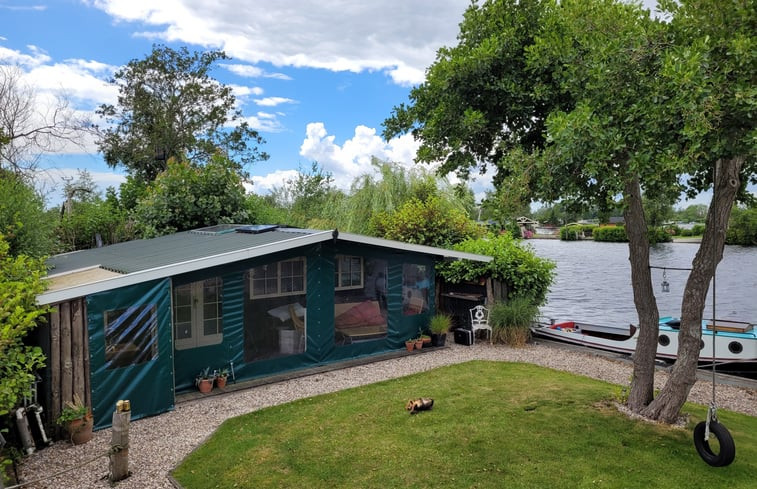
point(165, 440)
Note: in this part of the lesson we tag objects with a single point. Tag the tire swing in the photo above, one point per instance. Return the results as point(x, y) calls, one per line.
point(712, 427)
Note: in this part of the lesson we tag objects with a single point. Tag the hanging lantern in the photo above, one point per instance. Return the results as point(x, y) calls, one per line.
point(665, 285)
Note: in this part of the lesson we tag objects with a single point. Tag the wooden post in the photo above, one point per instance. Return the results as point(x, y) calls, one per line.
point(119, 443)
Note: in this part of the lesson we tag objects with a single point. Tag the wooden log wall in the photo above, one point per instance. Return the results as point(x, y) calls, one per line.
point(69, 355)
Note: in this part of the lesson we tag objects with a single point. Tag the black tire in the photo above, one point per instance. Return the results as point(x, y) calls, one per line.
point(727, 447)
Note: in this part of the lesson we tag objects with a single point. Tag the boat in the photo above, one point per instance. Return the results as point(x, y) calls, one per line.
point(735, 341)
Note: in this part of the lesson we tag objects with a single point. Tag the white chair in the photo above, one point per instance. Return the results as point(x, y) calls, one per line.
point(479, 320)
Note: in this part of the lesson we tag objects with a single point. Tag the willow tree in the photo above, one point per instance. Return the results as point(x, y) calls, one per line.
point(595, 103)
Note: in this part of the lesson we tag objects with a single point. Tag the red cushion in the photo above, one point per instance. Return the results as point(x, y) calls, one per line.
point(365, 313)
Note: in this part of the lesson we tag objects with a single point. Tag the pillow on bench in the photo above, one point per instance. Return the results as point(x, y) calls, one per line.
point(366, 313)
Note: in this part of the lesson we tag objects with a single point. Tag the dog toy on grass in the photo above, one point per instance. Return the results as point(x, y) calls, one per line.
point(422, 404)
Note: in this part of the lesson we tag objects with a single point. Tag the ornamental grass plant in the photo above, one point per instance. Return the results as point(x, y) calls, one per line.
point(511, 321)
point(493, 425)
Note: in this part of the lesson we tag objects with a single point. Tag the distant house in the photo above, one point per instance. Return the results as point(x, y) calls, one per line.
point(139, 320)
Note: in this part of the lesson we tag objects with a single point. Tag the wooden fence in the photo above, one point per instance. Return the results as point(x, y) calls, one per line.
point(69, 355)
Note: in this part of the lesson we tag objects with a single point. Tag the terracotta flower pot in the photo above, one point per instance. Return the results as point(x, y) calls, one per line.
point(410, 345)
point(205, 385)
point(80, 430)
point(220, 382)
point(419, 344)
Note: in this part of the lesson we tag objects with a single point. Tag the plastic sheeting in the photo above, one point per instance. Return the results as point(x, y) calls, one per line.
point(130, 350)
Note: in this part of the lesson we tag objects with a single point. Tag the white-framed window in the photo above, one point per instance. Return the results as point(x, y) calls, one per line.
point(349, 272)
point(198, 313)
point(282, 278)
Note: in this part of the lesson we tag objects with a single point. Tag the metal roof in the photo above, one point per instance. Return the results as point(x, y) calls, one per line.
point(85, 272)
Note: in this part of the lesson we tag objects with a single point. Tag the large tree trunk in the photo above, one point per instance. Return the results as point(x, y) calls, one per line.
point(667, 405)
point(642, 385)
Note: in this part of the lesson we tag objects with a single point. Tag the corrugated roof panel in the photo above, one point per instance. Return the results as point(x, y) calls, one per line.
point(145, 254)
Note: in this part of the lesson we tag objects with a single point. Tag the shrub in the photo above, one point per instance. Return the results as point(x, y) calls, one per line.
point(613, 234)
point(515, 264)
point(440, 324)
point(571, 233)
point(697, 230)
point(511, 321)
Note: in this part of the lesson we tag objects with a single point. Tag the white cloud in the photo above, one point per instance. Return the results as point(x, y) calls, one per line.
point(263, 184)
point(274, 101)
point(395, 36)
point(250, 71)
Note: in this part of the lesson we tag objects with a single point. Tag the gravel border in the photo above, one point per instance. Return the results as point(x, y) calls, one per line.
point(166, 439)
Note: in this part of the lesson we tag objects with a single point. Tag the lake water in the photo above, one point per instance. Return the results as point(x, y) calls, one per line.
point(593, 281)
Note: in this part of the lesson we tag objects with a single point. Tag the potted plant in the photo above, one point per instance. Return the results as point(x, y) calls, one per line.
point(418, 343)
point(410, 344)
point(439, 325)
point(223, 375)
point(76, 418)
point(204, 381)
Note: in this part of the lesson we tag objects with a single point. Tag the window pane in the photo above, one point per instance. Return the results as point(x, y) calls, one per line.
point(131, 336)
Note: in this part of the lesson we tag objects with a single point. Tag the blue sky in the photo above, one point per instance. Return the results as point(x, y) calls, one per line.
point(316, 79)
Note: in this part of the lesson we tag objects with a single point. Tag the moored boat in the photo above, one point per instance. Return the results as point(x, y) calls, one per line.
point(735, 341)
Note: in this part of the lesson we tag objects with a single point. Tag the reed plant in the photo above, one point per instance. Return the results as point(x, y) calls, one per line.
point(511, 321)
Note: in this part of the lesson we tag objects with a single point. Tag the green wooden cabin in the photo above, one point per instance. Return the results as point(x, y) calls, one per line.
point(140, 320)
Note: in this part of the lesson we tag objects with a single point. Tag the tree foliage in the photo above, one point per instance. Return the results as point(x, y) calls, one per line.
point(20, 283)
point(27, 228)
point(170, 107)
point(603, 104)
point(514, 263)
point(431, 222)
point(742, 229)
point(187, 196)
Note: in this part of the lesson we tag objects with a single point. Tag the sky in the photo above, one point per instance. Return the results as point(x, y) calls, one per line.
point(316, 79)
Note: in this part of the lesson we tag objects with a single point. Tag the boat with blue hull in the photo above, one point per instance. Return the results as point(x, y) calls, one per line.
point(735, 341)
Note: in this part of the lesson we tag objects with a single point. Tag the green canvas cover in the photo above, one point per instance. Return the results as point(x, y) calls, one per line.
point(130, 350)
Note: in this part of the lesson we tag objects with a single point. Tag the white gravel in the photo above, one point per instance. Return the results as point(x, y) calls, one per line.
point(164, 440)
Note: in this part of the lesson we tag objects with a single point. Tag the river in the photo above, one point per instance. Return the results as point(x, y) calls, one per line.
point(593, 281)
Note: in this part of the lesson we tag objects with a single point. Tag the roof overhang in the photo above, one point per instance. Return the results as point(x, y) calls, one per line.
point(84, 282)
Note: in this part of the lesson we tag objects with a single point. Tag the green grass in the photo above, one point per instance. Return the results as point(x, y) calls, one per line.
point(493, 425)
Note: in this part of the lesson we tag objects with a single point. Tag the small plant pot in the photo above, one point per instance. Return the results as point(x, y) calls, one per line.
point(205, 385)
point(221, 382)
point(438, 339)
point(80, 430)
point(410, 345)
point(418, 344)
point(426, 340)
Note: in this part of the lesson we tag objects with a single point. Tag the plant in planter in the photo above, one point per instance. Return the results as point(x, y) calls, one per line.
point(410, 344)
point(221, 378)
point(439, 325)
point(76, 418)
point(511, 320)
point(418, 343)
point(204, 380)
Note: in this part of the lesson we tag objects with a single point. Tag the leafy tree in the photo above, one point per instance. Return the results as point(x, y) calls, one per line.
point(432, 222)
point(20, 283)
point(692, 213)
point(742, 229)
point(187, 196)
point(27, 228)
point(604, 104)
point(28, 127)
point(306, 196)
point(169, 107)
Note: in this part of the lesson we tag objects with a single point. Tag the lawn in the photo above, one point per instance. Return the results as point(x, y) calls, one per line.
point(493, 425)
